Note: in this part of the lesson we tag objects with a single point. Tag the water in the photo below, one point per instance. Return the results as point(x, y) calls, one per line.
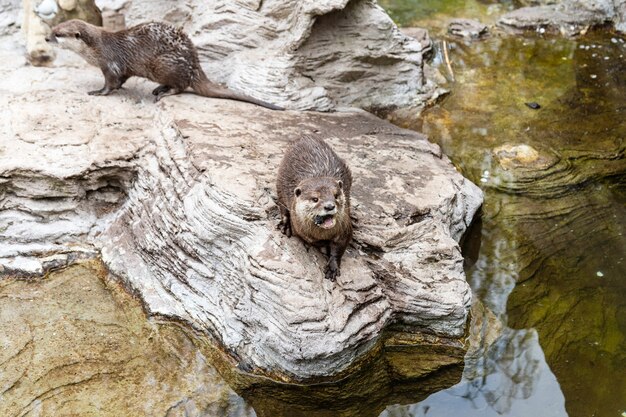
point(552, 245)
point(435, 14)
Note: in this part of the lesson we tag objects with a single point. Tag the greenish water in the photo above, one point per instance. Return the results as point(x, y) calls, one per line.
point(434, 14)
point(552, 243)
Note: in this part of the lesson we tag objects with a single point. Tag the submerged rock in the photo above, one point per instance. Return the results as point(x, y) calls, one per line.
point(518, 156)
point(467, 28)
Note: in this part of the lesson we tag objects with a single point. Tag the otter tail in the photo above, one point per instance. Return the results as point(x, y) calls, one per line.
point(206, 88)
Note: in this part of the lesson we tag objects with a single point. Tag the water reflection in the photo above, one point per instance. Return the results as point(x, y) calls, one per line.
point(510, 379)
point(551, 263)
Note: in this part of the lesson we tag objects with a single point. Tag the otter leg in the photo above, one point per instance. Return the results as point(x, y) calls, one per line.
point(285, 222)
point(104, 91)
point(170, 91)
point(335, 252)
point(161, 90)
point(111, 82)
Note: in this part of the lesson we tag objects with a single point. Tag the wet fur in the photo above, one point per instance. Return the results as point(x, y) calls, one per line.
point(312, 167)
point(156, 51)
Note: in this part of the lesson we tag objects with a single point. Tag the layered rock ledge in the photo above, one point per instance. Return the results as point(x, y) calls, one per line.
point(179, 200)
point(568, 17)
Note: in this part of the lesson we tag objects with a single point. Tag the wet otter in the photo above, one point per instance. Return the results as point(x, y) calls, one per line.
point(156, 51)
point(314, 198)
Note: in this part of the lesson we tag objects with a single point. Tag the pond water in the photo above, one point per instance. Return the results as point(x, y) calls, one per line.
point(552, 242)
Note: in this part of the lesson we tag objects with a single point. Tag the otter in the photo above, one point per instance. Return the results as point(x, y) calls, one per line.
point(313, 187)
point(156, 51)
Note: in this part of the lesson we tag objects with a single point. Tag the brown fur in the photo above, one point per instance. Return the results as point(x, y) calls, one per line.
point(312, 182)
point(156, 51)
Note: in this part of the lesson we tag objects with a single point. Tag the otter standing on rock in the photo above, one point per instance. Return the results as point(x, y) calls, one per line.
point(156, 51)
point(314, 198)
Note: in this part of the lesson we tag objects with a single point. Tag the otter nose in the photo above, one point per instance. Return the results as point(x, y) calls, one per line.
point(329, 207)
point(47, 38)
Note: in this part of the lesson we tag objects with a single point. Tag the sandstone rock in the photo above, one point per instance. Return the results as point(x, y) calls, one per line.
point(179, 197)
point(40, 16)
point(569, 17)
point(75, 344)
point(522, 156)
point(467, 28)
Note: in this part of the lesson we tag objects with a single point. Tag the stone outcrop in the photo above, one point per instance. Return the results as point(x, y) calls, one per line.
point(568, 17)
point(40, 16)
point(75, 344)
point(318, 55)
point(179, 200)
point(468, 28)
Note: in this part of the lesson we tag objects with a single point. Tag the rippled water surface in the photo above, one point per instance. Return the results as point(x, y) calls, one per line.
point(552, 244)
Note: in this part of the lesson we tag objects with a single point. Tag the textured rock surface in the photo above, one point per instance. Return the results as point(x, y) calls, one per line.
point(75, 344)
point(40, 16)
point(180, 199)
point(468, 28)
point(9, 10)
point(569, 17)
point(301, 54)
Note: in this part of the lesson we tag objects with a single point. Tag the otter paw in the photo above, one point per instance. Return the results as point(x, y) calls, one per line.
point(162, 89)
point(285, 228)
point(101, 92)
point(331, 273)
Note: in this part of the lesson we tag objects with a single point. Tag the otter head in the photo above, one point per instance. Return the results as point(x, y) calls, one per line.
point(74, 35)
point(319, 200)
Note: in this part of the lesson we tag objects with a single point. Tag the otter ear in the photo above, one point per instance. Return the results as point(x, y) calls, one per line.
point(297, 191)
point(340, 184)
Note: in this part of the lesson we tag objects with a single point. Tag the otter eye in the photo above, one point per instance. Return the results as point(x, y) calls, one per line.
point(315, 199)
point(77, 35)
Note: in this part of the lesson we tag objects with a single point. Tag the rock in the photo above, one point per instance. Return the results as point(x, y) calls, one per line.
point(529, 3)
point(100, 356)
point(41, 16)
point(9, 16)
point(568, 17)
point(516, 156)
point(113, 21)
point(77, 344)
point(39, 53)
point(302, 54)
point(420, 35)
point(179, 198)
point(467, 28)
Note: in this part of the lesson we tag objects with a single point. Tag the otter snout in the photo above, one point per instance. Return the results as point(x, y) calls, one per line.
point(329, 206)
